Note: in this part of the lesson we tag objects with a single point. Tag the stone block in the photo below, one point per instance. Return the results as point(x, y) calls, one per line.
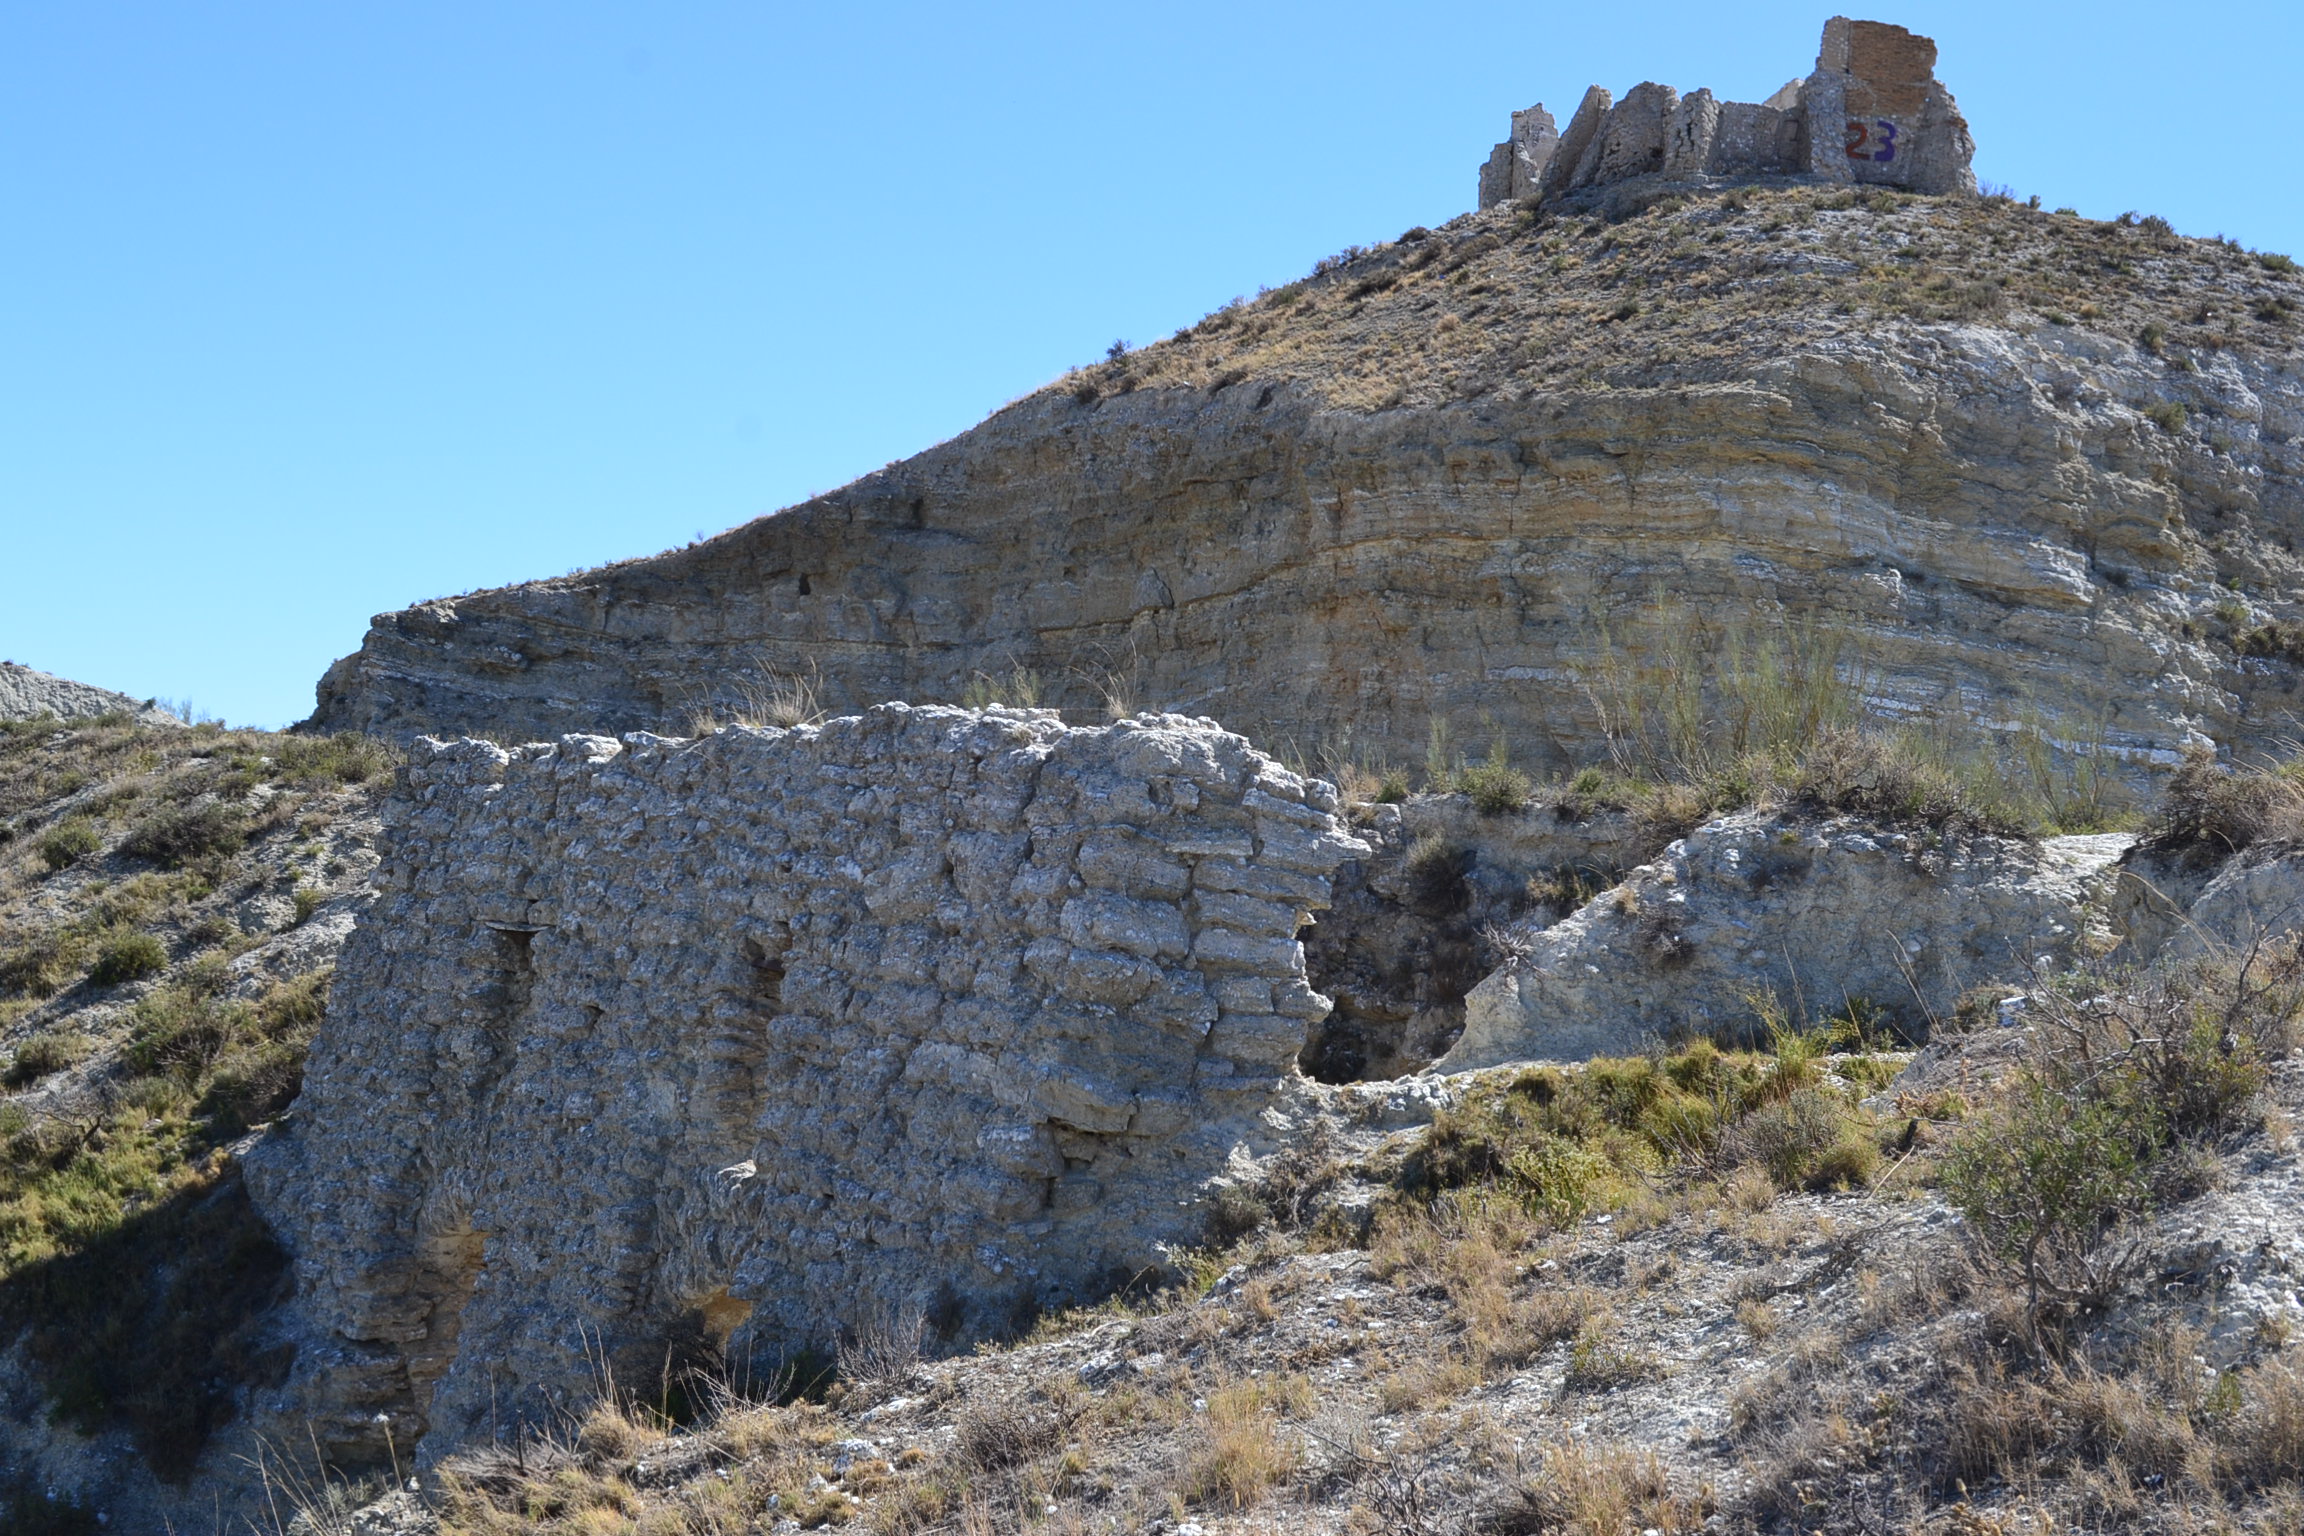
point(1575, 142)
point(1631, 140)
point(1689, 139)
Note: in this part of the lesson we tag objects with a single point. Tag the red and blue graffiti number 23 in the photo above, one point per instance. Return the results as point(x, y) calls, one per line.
point(1860, 141)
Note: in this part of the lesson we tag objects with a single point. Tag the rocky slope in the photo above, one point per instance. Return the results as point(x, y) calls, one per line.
point(1689, 1289)
point(28, 695)
point(1412, 1339)
point(171, 903)
point(2039, 467)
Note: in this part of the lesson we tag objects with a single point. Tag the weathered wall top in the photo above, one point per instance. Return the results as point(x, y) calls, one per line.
point(1872, 112)
point(778, 1032)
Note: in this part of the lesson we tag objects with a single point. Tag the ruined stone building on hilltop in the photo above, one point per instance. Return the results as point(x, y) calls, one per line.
point(1873, 113)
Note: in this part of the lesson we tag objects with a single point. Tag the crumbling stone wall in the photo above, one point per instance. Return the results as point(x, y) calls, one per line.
point(1871, 112)
point(772, 1033)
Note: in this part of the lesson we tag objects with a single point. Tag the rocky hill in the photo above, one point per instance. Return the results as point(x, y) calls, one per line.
point(1833, 1065)
point(171, 904)
point(2043, 468)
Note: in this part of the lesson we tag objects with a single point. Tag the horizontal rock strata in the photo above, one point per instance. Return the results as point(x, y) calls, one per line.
point(755, 1039)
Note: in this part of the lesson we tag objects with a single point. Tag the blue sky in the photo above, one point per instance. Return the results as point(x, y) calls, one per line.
point(312, 311)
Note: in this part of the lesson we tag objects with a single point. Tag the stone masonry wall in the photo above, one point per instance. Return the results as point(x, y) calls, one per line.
point(1871, 112)
point(768, 1034)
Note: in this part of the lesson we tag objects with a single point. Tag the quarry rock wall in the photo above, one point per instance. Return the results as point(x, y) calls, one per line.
point(744, 1042)
point(1871, 112)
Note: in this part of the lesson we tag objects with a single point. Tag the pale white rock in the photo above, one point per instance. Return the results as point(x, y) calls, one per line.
point(1814, 915)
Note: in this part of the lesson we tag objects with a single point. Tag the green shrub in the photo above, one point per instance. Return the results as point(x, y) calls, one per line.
point(1810, 1139)
point(2169, 416)
point(2046, 1181)
point(2125, 1091)
point(175, 838)
point(307, 900)
point(1436, 871)
point(68, 842)
point(181, 1034)
point(1495, 787)
point(2282, 640)
point(45, 963)
point(345, 758)
point(1392, 788)
point(2273, 261)
point(52, 1050)
point(1890, 777)
point(1557, 1179)
point(128, 957)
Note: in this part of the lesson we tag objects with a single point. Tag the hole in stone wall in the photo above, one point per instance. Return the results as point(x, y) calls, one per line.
point(1409, 932)
point(448, 1264)
point(1396, 952)
point(767, 967)
point(729, 1086)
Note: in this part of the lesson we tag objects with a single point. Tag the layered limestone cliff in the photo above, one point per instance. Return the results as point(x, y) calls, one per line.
point(746, 1042)
point(2041, 468)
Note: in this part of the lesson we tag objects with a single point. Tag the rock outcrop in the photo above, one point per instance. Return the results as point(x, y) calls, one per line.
point(27, 695)
point(1811, 917)
point(1872, 112)
point(761, 1037)
point(1438, 482)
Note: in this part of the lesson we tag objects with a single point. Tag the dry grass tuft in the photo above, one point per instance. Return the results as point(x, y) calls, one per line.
point(1247, 1451)
point(1579, 1488)
point(2208, 811)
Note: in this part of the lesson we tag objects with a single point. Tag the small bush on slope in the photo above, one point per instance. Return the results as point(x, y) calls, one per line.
point(2088, 1135)
point(2208, 811)
point(68, 842)
point(175, 838)
point(128, 956)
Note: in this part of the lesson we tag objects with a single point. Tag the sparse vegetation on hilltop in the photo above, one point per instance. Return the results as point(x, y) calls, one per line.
point(1681, 289)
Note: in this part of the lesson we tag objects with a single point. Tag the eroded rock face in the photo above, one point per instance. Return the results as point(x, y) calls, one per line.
point(773, 1033)
point(1988, 513)
point(1815, 915)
